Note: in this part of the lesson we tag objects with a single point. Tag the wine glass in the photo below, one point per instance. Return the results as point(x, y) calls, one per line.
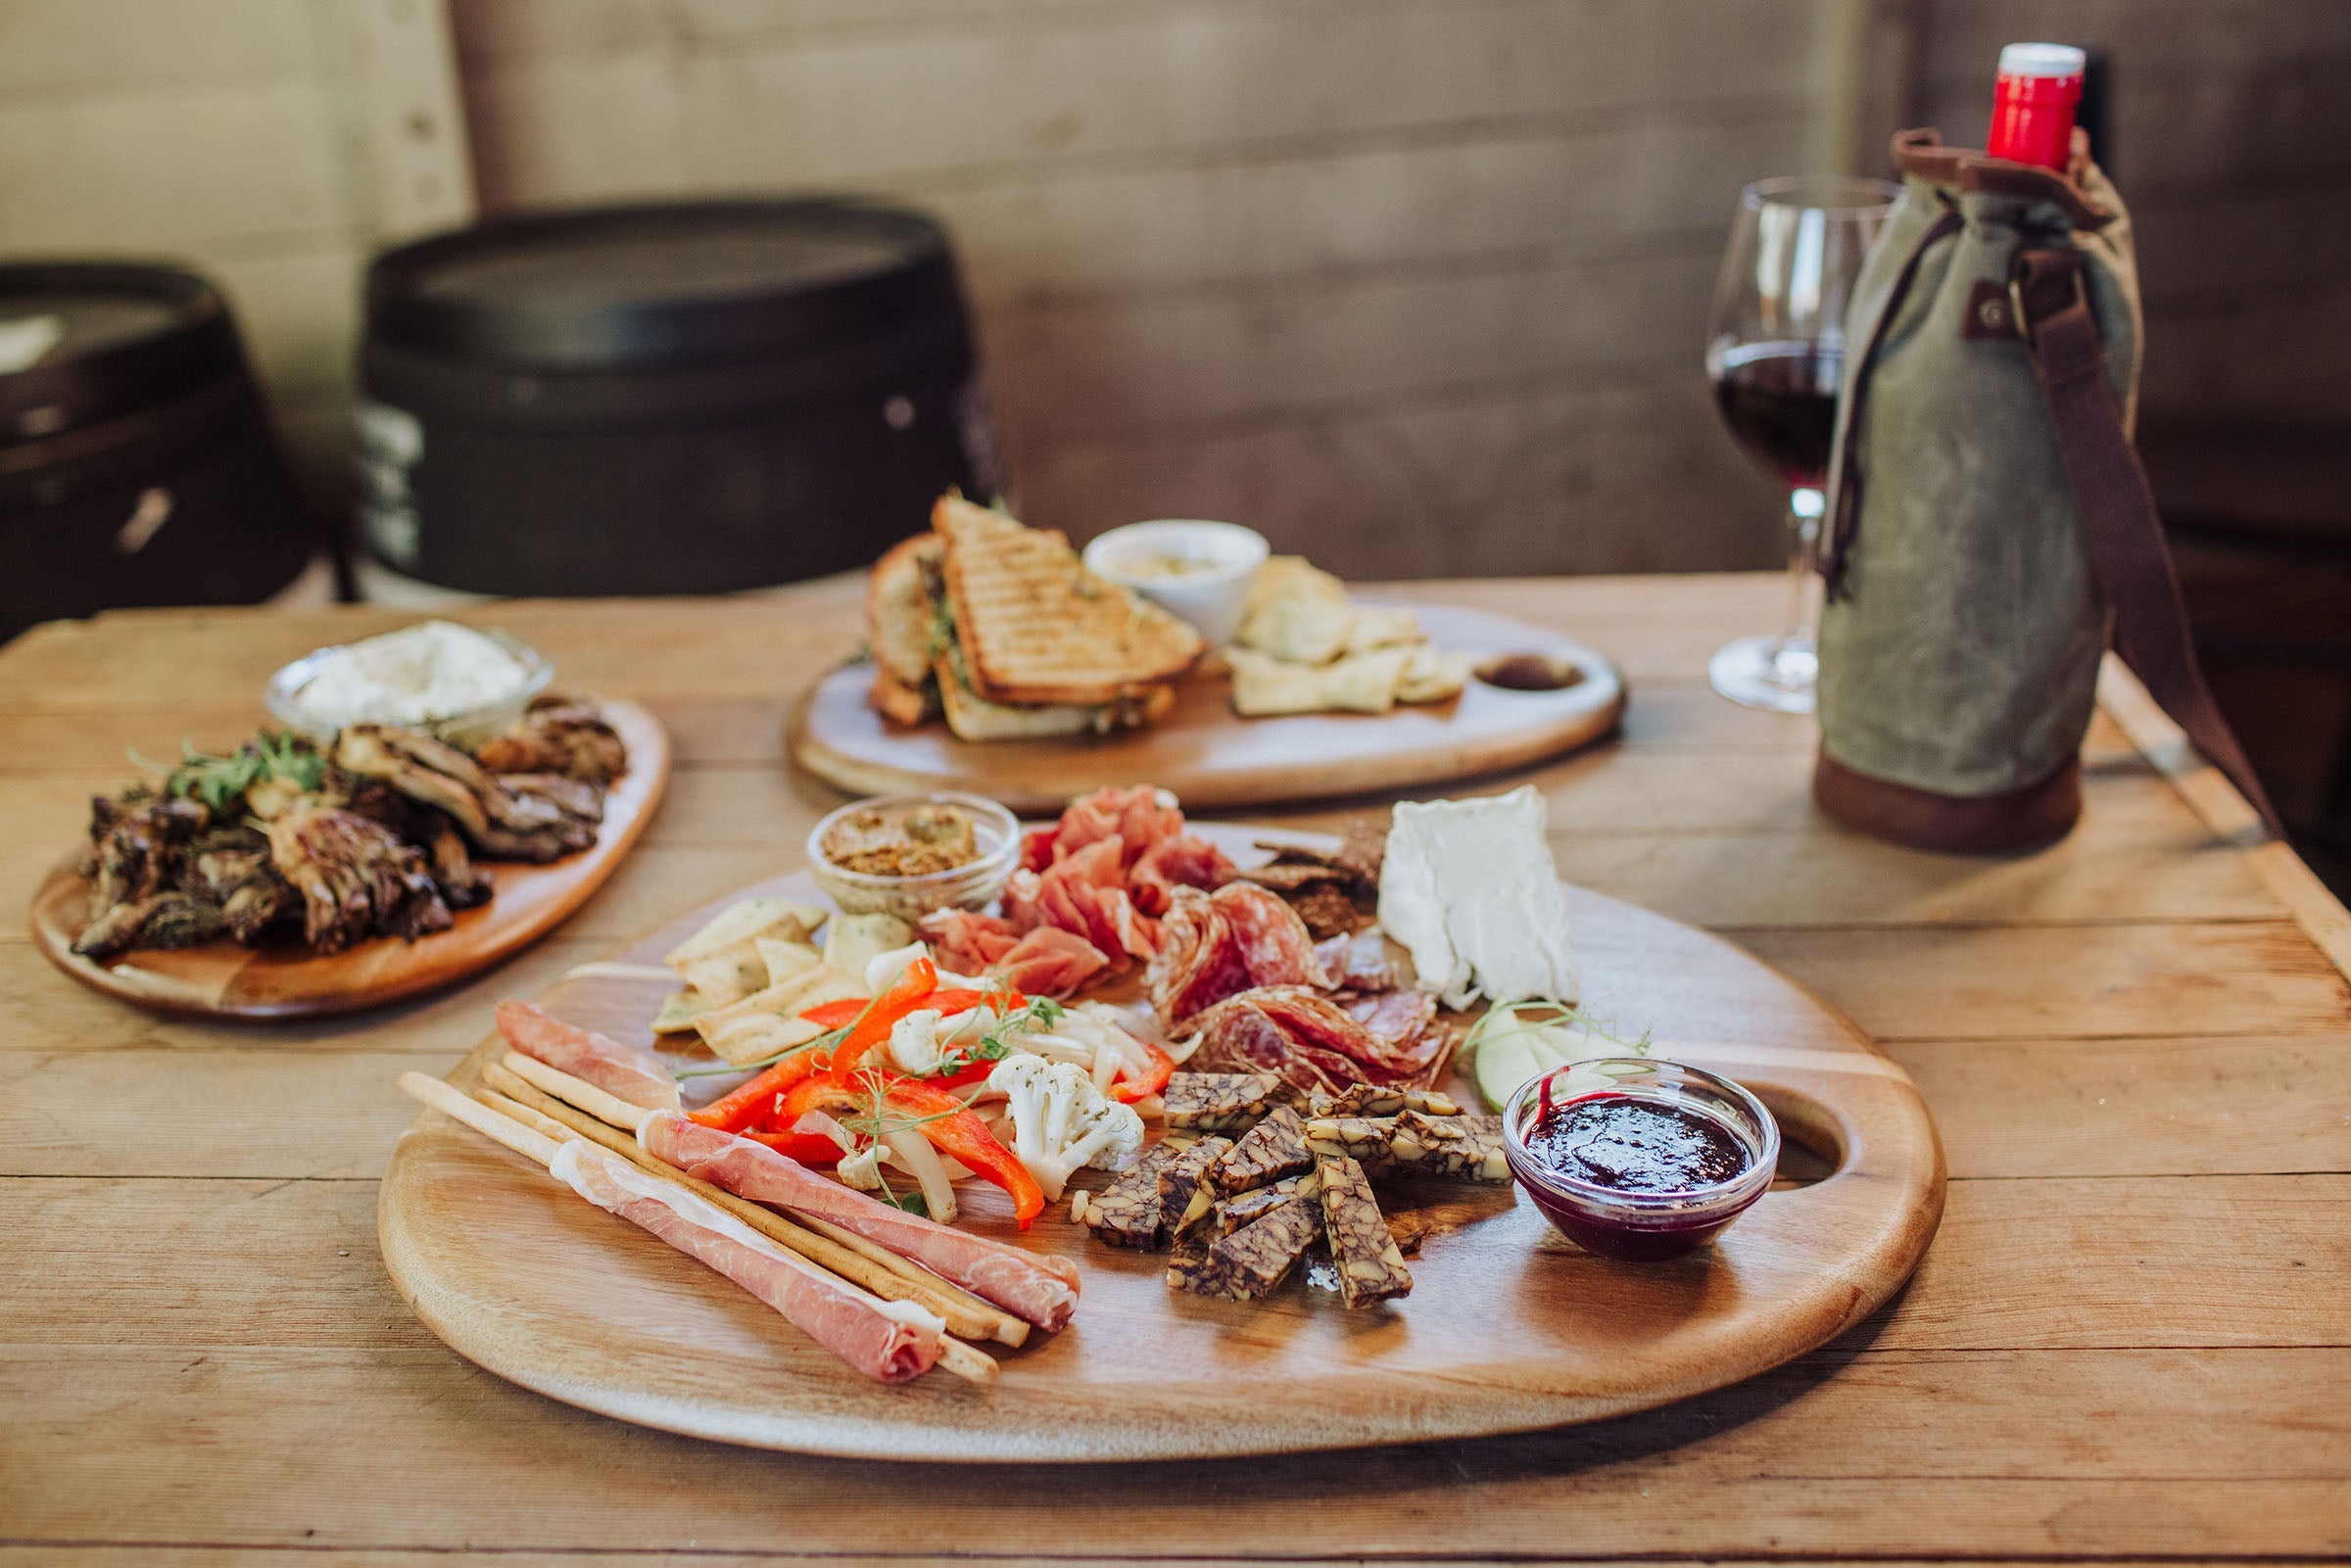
point(1775, 353)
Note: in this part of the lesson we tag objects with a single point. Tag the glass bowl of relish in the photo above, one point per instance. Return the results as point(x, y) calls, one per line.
point(1639, 1160)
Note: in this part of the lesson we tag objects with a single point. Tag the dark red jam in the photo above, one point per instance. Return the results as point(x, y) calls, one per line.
point(1644, 1147)
point(1636, 1145)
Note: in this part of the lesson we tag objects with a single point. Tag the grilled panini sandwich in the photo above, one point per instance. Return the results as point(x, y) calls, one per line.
point(1002, 629)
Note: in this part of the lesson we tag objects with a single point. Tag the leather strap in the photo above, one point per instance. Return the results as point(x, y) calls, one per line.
point(2118, 524)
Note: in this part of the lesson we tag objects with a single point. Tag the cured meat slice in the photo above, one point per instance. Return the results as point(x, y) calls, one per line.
point(1266, 1153)
point(1021, 892)
point(1382, 1100)
point(1147, 818)
point(1358, 961)
point(1444, 1146)
point(588, 1056)
point(1036, 847)
point(1185, 1195)
point(1051, 962)
point(1038, 1289)
point(1218, 1102)
point(1199, 964)
point(1398, 1016)
point(1180, 860)
point(967, 943)
point(1316, 1020)
point(1273, 943)
point(1126, 1213)
point(1237, 1035)
point(1370, 1266)
point(890, 1341)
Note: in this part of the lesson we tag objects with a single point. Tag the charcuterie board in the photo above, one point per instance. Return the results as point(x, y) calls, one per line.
point(1214, 758)
point(223, 979)
point(1508, 1328)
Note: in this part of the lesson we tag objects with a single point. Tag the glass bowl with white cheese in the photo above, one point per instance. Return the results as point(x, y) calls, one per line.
point(456, 682)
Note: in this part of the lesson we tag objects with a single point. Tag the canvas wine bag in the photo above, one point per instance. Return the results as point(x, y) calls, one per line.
point(1988, 519)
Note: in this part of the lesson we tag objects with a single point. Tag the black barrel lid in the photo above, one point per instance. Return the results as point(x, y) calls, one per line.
point(668, 283)
point(127, 336)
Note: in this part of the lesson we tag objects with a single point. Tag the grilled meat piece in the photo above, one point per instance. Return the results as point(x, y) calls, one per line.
point(558, 735)
point(137, 844)
point(161, 920)
point(585, 801)
point(496, 820)
point(230, 868)
point(356, 878)
point(463, 884)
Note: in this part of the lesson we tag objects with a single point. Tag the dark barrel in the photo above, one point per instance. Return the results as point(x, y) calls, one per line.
point(667, 398)
point(137, 465)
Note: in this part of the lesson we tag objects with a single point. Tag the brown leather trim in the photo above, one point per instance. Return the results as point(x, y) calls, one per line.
point(2013, 820)
point(1922, 153)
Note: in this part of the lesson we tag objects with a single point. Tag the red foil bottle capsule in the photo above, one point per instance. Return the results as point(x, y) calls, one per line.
point(2032, 104)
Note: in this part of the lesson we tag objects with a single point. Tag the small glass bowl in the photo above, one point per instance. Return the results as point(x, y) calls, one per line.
point(465, 729)
point(1642, 1227)
point(971, 885)
point(1212, 596)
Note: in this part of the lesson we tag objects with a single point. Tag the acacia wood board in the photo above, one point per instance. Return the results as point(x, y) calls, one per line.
point(1211, 756)
point(1508, 1328)
point(279, 982)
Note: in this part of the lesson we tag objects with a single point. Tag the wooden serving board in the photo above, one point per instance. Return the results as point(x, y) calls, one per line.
point(1212, 757)
point(1507, 1327)
point(223, 979)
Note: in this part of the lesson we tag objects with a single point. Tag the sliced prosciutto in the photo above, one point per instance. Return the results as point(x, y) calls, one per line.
point(1039, 1289)
point(588, 1056)
point(965, 943)
point(1051, 962)
point(890, 1340)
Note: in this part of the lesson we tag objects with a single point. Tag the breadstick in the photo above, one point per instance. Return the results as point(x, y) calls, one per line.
point(531, 1144)
point(605, 1108)
point(580, 1095)
point(972, 1319)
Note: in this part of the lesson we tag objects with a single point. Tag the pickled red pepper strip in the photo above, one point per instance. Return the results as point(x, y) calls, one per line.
point(1163, 1068)
point(939, 1117)
point(958, 1133)
point(742, 1106)
point(907, 992)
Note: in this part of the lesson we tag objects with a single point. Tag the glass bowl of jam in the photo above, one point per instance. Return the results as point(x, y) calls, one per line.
point(1639, 1160)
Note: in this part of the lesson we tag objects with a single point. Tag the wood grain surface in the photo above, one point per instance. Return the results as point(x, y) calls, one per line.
point(1214, 758)
point(225, 979)
point(2130, 1341)
point(1507, 1328)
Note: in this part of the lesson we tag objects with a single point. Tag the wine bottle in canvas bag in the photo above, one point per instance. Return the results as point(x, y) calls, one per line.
point(1989, 523)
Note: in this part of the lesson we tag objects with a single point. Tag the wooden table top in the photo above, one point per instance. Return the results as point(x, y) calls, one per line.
point(2131, 1340)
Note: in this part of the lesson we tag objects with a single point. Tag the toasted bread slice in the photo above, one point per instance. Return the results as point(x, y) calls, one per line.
point(899, 702)
point(975, 718)
point(1036, 627)
point(899, 609)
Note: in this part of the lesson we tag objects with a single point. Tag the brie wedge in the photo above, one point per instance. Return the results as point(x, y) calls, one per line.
point(1468, 885)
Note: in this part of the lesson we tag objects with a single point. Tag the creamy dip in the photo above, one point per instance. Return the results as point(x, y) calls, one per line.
point(432, 670)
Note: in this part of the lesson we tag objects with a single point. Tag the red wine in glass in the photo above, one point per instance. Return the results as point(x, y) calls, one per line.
point(1775, 353)
point(1780, 401)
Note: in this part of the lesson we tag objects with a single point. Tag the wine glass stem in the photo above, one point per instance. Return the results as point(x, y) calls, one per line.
point(1804, 508)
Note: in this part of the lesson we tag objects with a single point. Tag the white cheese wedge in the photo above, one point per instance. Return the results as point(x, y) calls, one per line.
point(1468, 885)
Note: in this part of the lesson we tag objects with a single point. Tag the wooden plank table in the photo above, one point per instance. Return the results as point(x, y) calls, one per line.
point(2132, 1339)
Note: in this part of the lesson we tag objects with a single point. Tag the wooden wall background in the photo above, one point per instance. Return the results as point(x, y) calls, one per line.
point(1416, 284)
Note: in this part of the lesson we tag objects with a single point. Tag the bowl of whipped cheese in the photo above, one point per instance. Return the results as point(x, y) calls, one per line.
point(453, 682)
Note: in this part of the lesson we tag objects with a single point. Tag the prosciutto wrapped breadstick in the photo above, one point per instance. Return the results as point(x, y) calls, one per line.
point(890, 1340)
point(1041, 1290)
point(593, 1058)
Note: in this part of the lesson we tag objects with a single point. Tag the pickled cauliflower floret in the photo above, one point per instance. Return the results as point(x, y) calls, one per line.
point(1061, 1122)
